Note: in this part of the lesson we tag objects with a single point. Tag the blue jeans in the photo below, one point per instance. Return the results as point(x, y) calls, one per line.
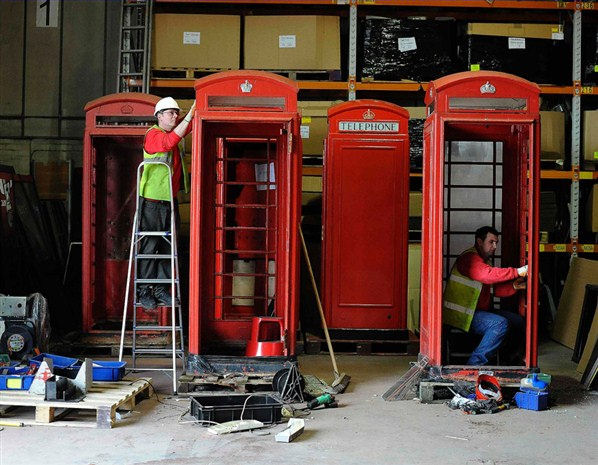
point(493, 327)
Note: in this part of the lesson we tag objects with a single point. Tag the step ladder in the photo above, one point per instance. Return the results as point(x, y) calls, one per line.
point(175, 328)
point(134, 46)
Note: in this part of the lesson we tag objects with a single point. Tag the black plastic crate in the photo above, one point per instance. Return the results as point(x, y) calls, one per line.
point(219, 409)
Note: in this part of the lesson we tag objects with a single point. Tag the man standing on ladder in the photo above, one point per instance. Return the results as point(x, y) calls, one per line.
point(467, 299)
point(162, 143)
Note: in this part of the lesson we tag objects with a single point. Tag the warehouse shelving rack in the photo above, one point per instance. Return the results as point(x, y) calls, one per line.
point(576, 90)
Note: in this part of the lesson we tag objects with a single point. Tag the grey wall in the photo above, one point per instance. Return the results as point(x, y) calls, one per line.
point(48, 74)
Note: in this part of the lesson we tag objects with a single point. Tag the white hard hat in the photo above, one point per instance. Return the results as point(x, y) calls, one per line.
point(166, 104)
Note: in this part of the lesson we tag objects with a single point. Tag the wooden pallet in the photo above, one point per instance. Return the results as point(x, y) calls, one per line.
point(439, 391)
point(189, 384)
point(196, 73)
point(96, 410)
point(315, 345)
point(183, 73)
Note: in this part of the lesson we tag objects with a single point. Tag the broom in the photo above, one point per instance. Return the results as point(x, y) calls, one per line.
point(341, 380)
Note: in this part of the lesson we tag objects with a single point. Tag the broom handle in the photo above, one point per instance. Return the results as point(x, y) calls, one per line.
point(321, 310)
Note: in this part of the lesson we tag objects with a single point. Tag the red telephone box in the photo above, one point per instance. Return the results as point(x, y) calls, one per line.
point(365, 216)
point(481, 167)
point(245, 208)
point(115, 126)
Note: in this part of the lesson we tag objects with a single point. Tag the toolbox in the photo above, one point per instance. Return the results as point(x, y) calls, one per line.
point(532, 400)
point(221, 408)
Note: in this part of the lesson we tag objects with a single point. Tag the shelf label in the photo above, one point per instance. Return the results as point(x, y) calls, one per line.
point(475, 67)
point(587, 90)
point(595, 155)
point(191, 38)
point(516, 43)
point(587, 248)
point(542, 248)
point(304, 132)
point(596, 68)
point(407, 44)
point(305, 119)
point(587, 5)
point(561, 4)
point(560, 247)
point(287, 41)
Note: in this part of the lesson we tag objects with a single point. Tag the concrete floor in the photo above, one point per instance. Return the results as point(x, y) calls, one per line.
point(364, 429)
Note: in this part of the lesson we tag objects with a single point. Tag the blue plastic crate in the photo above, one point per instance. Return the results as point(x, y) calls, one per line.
point(532, 400)
point(108, 370)
point(58, 360)
point(14, 378)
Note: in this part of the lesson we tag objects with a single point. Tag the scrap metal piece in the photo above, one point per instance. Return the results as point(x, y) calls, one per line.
point(294, 429)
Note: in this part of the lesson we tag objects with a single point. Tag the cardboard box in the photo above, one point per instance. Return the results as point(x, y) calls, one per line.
point(314, 125)
point(51, 180)
point(196, 41)
point(292, 43)
point(416, 112)
point(531, 31)
point(590, 136)
point(581, 272)
point(592, 211)
point(552, 145)
point(415, 203)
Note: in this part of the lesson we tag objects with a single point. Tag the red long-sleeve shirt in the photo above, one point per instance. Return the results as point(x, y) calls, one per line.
point(159, 141)
point(473, 266)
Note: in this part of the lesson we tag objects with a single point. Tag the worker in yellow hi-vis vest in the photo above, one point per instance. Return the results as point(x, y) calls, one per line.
point(162, 143)
point(467, 299)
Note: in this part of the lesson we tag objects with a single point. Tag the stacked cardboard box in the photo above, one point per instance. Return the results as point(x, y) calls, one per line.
point(292, 43)
point(314, 125)
point(196, 41)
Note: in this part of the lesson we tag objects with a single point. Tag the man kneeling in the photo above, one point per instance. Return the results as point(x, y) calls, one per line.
point(467, 299)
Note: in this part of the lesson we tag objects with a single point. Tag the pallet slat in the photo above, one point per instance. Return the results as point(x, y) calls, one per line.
point(103, 398)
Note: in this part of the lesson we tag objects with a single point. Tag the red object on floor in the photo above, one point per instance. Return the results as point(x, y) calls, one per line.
point(266, 337)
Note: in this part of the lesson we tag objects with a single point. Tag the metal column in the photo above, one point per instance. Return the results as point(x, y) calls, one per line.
point(576, 129)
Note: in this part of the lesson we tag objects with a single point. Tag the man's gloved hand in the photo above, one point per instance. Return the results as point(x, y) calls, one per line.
point(520, 283)
point(522, 271)
point(189, 116)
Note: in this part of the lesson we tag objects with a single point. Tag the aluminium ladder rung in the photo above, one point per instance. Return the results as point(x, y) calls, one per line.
point(155, 328)
point(158, 351)
point(150, 256)
point(156, 280)
point(153, 233)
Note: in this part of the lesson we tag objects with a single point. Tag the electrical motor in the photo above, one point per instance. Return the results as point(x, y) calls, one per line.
point(18, 338)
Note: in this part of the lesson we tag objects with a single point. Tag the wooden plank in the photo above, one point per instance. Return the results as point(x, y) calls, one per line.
point(103, 399)
point(44, 414)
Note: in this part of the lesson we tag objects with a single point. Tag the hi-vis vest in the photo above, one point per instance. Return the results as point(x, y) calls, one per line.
point(154, 180)
point(460, 298)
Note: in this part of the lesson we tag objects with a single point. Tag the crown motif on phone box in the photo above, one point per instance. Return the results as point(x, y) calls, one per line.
point(487, 88)
point(369, 114)
point(246, 87)
point(126, 109)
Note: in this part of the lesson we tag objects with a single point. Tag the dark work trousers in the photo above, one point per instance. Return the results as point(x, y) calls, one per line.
point(154, 216)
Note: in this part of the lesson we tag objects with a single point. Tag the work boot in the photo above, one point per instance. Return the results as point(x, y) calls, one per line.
point(164, 298)
point(147, 300)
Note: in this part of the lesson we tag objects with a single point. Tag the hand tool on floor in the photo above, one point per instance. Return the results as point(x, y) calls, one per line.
point(324, 399)
point(340, 380)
